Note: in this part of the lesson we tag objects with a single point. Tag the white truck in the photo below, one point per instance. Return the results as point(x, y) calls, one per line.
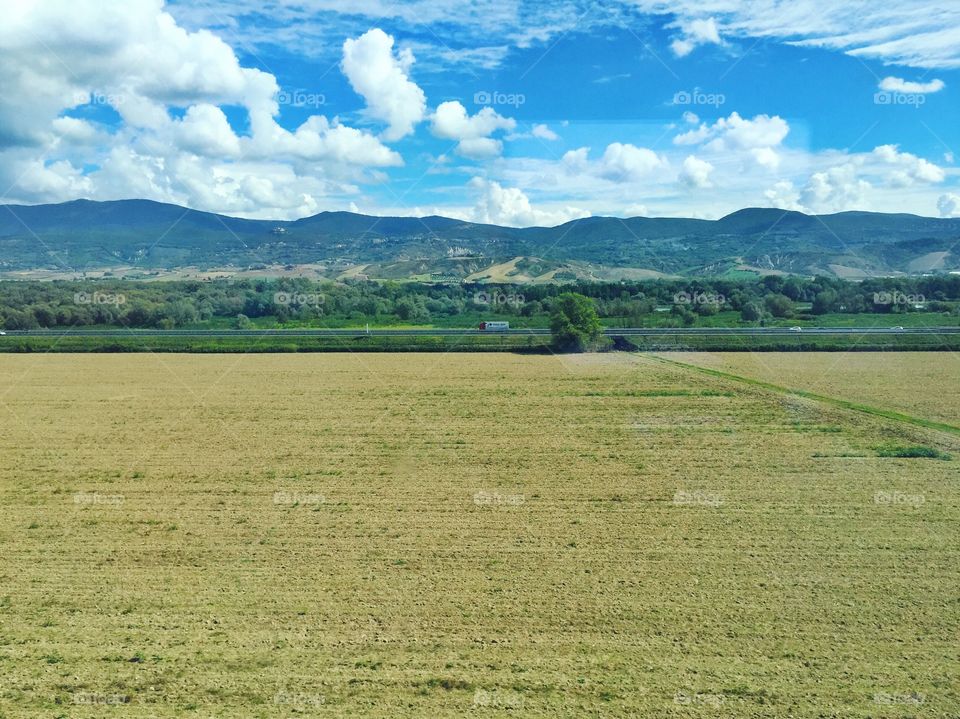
point(494, 326)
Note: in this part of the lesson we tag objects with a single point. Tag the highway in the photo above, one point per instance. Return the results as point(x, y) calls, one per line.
point(610, 332)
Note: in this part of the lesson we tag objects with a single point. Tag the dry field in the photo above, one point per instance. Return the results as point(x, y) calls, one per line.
point(920, 384)
point(463, 535)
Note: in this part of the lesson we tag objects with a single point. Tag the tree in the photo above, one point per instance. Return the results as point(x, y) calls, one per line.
point(574, 322)
point(779, 305)
point(824, 302)
point(683, 313)
point(752, 312)
point(707, 309)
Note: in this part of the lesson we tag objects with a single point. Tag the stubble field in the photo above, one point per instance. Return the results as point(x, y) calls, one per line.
point(464, 535)
point(921, 384)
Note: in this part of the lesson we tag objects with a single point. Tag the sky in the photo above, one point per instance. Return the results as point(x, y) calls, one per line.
point(510, 112)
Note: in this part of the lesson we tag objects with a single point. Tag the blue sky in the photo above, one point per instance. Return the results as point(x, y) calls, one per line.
point(516, 113)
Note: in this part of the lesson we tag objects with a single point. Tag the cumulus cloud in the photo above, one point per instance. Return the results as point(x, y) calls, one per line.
point(696, 172)
point(172, 142)
point(627, 163)
point(905, 169)
point(857, 182)
point(381, 77)
point(701, 31)
point(896, 84)
point(754, 139)
point(620, 163)
point(544, 133)
point(510, 206)
point(75, 131)
point(949, 205)
point(480, 148)
point(836, 189)
point(735, 132)
point(785, 196)
point(451, 121)
point(205, 130)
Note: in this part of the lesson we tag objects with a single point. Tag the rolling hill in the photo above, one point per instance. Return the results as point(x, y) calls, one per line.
point(142, 236)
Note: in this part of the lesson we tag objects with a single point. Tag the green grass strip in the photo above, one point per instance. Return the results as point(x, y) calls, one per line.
point(842, 403)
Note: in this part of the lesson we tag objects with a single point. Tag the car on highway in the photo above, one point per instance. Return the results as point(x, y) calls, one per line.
point(796, 329)
point(2, 333)
point(898, 328)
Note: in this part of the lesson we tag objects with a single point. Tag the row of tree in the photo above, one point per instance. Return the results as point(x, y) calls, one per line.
point(30, 305)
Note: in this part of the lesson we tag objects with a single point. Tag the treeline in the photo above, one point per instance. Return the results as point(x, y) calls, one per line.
point(33, 305)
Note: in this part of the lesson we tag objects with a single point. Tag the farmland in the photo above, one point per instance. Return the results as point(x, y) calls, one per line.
point(415, 535)
point(921, 384)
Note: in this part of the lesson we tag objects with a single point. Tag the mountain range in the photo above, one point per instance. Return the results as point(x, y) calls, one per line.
point(142, 238)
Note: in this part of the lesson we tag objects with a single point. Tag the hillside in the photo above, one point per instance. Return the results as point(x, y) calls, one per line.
point(134, 237)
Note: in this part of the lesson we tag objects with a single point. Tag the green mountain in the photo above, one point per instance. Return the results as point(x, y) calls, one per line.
point(134, 236)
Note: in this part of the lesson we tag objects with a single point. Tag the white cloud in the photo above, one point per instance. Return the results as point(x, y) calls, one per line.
point(734, 137)
point(784, 195)
point(696, 172)
point(922, 33)
point(949, 205)
point(635, 211)
point(480, 148)
point(319, 139)
point(451, 121)
point(919, 33)
point(134, 57)
point(205, 130)
point(905, 169)
point(382, 78)
point(626, 163)
point(75, 131)
point(701, 31)
point(544, 133)
point(896, 84)
point(876, 180)
point(511, 207)
point(735, 132)
point(835, 190)
point(814, 182)
point(765, 157)
point(170, 87)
